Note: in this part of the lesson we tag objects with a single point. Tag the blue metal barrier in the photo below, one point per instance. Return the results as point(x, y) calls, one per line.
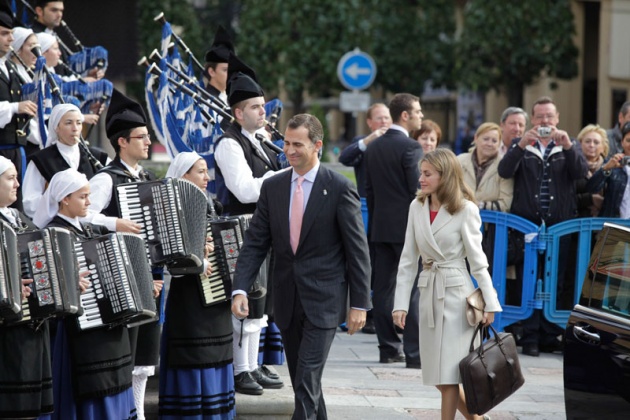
point(584, 227)
point(503, 221)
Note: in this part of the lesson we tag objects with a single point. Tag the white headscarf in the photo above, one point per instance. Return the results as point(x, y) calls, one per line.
point(20, 35)
point(55, 117)
point(61, 185)
point(5, 164)
point(45, 41)
point(182, 164)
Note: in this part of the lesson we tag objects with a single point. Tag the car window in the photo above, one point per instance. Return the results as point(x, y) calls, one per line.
point(607, 286)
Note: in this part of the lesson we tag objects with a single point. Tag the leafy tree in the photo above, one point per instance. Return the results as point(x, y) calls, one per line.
point(298, 44)
point(506, 45)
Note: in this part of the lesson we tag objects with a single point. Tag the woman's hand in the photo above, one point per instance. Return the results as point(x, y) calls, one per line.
point(613, 162)
point(399, 318)
point(26, 290)
point(84, 283)
point(488, 318)
point(208, 269)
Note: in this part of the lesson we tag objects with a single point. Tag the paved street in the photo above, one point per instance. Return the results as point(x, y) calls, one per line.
point(357, 387)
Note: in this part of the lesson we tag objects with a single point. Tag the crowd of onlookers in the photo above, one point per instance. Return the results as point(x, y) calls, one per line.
point(524, 164)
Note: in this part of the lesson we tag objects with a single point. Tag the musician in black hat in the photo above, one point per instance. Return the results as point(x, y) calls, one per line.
point(126, 127)
point(13, 111)
point(216, 65)
point(242, 163)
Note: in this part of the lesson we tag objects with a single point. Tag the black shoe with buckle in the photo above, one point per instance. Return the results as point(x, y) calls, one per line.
point(244, 383)
point(265, 381)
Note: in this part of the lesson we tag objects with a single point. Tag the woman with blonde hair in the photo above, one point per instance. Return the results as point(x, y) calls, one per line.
point(594, 143)
point(444, 229)
point(480, 168)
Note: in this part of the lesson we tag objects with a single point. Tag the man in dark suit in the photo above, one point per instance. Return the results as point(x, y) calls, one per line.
point(321, 258)
point(392, 180)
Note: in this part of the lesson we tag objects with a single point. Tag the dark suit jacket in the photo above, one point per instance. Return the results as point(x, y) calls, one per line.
point(392, 181)
point(331, 258)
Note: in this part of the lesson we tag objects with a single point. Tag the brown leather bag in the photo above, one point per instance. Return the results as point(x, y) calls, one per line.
point(490, 373)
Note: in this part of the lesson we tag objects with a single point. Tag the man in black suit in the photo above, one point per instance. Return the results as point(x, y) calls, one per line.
point(392, 180)
point(321, 258)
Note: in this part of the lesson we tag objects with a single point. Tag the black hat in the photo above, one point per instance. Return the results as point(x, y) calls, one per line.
point(43, 3)
point(7, 20)
point(242, 83)
point(123, 114)
point(221, 47)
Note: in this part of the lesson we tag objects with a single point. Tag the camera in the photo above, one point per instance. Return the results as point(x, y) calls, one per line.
point(625, 160)
point(544, 131)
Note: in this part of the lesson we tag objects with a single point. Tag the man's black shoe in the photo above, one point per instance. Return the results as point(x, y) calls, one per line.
point(413, 364)
point(369, 327)
point(531, 350)
point(265, 381)
point(552, 347)
point(399, 358)
point(244, 383)
point(271, 374)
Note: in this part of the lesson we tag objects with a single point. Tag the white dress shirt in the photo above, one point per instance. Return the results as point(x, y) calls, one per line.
point(239, 179)
point(101, 189)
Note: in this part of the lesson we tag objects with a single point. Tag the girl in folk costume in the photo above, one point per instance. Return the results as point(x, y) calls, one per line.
point(444, 229)
point(196, 374)
point(91, 368)
point(25, 371)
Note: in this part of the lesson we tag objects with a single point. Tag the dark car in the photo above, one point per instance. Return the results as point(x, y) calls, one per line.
point(597, 337)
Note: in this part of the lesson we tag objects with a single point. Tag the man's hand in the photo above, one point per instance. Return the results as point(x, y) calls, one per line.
point(399, 318)
point(27, 107)
point(240, 306)
point(356, 320)
point(562, 138)
point(124, 225)
point(374, 135)
point(530, 137)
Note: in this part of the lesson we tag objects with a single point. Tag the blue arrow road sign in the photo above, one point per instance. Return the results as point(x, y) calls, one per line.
point(356, 70)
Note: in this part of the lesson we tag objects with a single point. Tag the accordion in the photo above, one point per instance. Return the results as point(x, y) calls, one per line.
point(121, 284)
point(47, 256)
point(10, 275)
point(172, 216)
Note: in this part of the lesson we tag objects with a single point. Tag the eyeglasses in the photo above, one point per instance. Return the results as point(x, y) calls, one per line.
point(143, 137)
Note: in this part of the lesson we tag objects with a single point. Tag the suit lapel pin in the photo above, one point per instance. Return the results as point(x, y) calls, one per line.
point(325, 192)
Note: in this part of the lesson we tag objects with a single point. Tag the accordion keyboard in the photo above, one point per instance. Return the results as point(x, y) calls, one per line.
point(89, 299)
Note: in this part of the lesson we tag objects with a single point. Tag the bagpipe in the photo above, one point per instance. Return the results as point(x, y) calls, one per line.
point(81, 59)
point(184, 115)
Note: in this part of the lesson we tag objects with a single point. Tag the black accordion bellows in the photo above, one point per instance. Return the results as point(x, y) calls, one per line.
point(172, 216)
point(10, 275)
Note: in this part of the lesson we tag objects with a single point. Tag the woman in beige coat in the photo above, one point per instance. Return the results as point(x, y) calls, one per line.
point(443, 228)
point(480, 170)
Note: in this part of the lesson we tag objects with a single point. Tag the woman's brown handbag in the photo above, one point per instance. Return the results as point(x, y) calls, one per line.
point(490, 373)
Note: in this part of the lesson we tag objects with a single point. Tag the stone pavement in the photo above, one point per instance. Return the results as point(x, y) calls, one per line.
point(357, 387)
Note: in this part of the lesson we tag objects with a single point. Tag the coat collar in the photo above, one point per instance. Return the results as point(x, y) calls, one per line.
point(428, 229)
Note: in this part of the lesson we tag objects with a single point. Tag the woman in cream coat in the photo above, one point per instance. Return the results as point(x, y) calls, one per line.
point(443, 229)
point(480, 170)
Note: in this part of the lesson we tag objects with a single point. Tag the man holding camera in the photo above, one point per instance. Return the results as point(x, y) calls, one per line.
point(545, 163)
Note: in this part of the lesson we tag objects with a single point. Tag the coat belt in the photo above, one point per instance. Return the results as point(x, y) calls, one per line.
point(438, 280)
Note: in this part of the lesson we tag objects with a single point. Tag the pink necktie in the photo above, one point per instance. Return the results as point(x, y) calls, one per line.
point(297, 211)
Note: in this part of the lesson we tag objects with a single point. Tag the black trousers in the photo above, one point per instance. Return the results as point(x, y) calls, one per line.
point(306, 347)
point(386, 258)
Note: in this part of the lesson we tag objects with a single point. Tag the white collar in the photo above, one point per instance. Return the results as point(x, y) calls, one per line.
point(74, 221)
point(309, 176)
point(400, 128)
